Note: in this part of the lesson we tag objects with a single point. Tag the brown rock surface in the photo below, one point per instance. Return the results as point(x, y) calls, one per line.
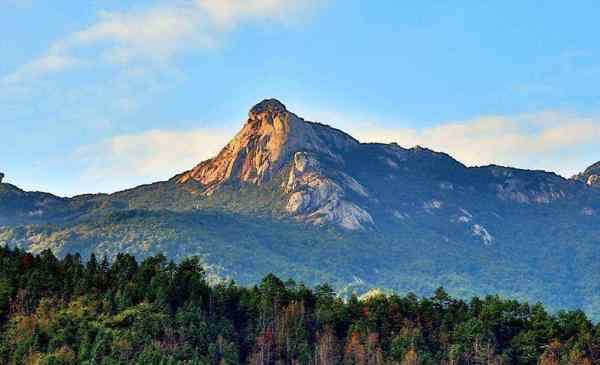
point(273, 138)
point(267, 141)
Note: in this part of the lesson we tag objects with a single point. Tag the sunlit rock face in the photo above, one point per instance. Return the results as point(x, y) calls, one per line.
point(267, 141)
point(273, 139)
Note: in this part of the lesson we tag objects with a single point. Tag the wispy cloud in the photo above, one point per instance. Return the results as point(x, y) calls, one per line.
point(548, 140)
point(49, 63)
point(156, 33)
point(229, 13)
point(148, 156)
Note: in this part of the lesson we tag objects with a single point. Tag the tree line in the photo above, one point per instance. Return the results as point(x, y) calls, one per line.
point(70, 311)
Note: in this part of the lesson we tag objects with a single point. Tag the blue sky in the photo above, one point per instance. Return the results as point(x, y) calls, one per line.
point(103, 95)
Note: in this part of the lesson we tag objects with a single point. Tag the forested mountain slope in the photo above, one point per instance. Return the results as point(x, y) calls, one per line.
point(309, 202)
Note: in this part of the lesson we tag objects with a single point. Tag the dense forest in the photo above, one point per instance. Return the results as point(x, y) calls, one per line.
point(66, 311)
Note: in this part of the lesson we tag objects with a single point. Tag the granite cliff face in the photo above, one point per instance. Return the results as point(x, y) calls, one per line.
point(318, 196)
point(273, 141)
point(267, 141)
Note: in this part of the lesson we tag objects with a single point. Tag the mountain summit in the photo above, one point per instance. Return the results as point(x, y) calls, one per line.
point(274, 139)
point(267, 141)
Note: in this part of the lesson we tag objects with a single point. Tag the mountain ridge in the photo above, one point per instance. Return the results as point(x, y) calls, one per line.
point(274, 139)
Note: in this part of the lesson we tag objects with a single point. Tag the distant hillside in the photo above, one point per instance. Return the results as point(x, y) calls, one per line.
point(307, 201)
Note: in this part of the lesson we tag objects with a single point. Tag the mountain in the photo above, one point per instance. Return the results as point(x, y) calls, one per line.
point(591, 176)
point(307, 201)
point(273, 139)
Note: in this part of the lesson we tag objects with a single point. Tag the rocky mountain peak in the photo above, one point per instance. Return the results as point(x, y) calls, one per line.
point(270, 107)
point(274, 141)
point(265, 144)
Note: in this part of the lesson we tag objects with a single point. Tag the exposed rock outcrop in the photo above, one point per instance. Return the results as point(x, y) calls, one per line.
point(1, 177)
point(318, 198)
point(273, 138)
point(267, 141)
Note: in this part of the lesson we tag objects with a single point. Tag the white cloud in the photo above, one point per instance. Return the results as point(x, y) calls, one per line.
point(148, 156)
point(229, 13)
point(157, 33)
point(553, 141)
point(47, 64)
